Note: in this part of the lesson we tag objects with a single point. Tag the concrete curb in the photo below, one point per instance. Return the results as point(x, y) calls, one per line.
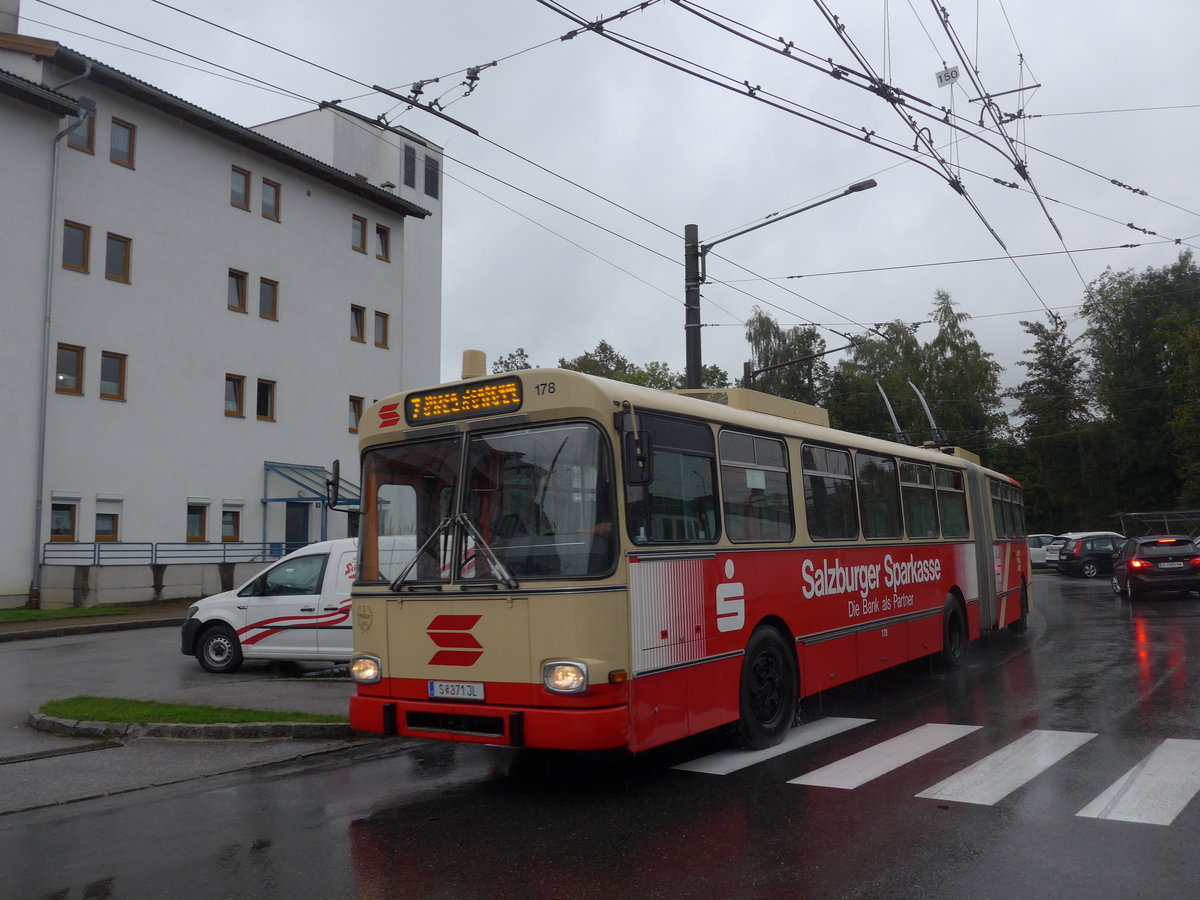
point(50, 631)
point(244, 731)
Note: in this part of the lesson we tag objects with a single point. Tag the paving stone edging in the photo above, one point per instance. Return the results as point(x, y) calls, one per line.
point(243, 731)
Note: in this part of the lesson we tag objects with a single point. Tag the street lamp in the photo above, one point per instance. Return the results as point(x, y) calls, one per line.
point(694, 275)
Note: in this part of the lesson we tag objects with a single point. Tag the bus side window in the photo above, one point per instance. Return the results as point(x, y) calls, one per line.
point(680, 504)
point(829, 493)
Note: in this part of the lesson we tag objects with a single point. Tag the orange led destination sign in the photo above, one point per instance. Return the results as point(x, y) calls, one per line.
point(463, 402)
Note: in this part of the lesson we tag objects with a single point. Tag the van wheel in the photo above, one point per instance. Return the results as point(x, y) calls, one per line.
point(954, 635)
point(219, 650)
point(769, 689)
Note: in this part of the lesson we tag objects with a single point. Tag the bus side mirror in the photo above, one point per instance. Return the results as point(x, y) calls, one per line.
point(638, 453)
point(333, 485)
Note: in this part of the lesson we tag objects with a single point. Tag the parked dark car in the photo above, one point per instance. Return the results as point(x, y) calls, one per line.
point(1089, 556)
point(1167, 562)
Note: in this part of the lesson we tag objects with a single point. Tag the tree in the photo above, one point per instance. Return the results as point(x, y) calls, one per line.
point(512, 362)
point(888, 358)
point(805, 378)
point(606, 362)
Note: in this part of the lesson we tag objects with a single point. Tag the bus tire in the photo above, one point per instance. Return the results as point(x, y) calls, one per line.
point(954, 634)
point(769, 689)
point(219, 650)
point(1021, 625)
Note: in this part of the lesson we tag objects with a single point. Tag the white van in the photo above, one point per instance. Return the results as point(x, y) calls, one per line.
point(296, 609)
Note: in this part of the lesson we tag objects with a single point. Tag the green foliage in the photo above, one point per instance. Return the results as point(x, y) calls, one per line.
point(512, 362)
point(803, 371)
point(604, 361)
point(39, 615)
point(115, 709)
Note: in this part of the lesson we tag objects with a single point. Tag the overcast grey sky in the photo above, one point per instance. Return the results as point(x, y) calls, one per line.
point(1117, 100)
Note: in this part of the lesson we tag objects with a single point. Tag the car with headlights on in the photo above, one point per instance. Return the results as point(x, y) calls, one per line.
point(1165, 562)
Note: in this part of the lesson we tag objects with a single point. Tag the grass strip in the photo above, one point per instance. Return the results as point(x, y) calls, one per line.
point(138, 712)
point(38, 615)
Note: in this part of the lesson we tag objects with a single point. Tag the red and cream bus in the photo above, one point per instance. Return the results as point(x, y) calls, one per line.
point(554, 560)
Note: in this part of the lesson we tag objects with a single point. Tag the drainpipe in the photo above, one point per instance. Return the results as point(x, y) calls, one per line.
point(35, 583)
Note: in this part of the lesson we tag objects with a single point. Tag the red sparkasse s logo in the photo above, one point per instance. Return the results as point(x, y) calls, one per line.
point(388, 415)
point(453, 635)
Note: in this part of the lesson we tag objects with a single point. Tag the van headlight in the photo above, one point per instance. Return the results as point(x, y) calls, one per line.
point(366, 669)
point(564, 676)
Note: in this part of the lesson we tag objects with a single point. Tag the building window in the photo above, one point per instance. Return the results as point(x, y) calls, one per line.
point(432, 173)
point(62, 521)
point(358, 325)
point(121, 146)
point(239, 188)
point(106, 526)
point(112, 376)
point(69, 377)
point(381, 328)
point(356, 408)
point(268, 298)
point(83, 133)
point(265, 405)
point(76, 239)
point(270, 199)
point(383, 243)
point(358, 233)
point(237, 291)
point(235, 386)
point(410, 166)
point(116, 258)
point(231, 525)
point(197, 522)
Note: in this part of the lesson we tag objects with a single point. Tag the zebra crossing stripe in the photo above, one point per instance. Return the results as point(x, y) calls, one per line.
point(728, 761)
point(869, 764)
point(1154, 791)
point(996, 776)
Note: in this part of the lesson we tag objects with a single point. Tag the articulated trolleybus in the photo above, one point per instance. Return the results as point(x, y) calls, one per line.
point(554, 560)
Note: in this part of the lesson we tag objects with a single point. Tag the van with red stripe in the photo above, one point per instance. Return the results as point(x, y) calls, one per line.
point(296, 609)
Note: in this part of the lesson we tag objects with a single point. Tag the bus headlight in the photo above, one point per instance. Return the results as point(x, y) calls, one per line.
point(563, 676)
point(366, 669)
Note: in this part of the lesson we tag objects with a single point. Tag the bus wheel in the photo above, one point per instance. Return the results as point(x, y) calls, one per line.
point(219, 650)
point(769, 689)
point(954, 635)
point(1021, 624)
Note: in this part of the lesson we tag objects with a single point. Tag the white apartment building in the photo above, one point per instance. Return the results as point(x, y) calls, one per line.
point(195, 313)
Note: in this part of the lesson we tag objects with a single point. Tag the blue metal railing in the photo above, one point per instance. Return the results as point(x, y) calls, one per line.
point(132, 553)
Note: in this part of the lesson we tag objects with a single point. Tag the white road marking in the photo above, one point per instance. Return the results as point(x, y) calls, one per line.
point(727, 761)
point(1154, 791)
point(869, 764)
point(996, 776)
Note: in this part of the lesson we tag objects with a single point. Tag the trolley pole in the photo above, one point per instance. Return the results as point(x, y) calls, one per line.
point(691, 305)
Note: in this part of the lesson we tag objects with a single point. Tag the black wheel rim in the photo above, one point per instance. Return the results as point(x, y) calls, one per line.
point(767, 687)
point(954, 639)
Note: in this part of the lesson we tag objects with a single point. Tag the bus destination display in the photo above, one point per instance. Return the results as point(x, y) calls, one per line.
point(463, 401)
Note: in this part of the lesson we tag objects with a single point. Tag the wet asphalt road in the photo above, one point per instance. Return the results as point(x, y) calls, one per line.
point(384, 819)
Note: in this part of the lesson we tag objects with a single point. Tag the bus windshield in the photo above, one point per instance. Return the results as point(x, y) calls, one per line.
point(539, 500)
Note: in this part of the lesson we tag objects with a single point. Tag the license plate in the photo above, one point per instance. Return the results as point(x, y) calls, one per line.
point(1170, 565)
point(456, 690)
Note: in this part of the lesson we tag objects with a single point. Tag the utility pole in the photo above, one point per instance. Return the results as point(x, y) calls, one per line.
point(691, 304)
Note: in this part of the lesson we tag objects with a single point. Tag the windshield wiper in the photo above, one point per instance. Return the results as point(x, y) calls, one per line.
point(502, 574)
point(442, 526)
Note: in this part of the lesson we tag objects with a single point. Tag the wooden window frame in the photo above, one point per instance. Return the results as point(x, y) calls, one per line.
point(358, 321)
point(119, 358)
point(237, 526)
point(79, 356)
point(273, 286)
point(245, 173)
point(238, 277)
point(203, 535)
point(126, 257)
point(355, 409)
point(277, 189)
point(383, 242)
point(132, 129)
point(258, 396)
point(89, 145)
point(116, 527)
point(86, 231)
point(239, 383)
point(64, 538)
point(381, 324)
point(358, 242)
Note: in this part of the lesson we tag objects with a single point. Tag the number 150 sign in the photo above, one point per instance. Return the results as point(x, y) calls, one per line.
point(947, 76)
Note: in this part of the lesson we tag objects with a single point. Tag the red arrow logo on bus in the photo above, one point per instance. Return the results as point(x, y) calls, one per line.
point(388, 415)
point(452, 634)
